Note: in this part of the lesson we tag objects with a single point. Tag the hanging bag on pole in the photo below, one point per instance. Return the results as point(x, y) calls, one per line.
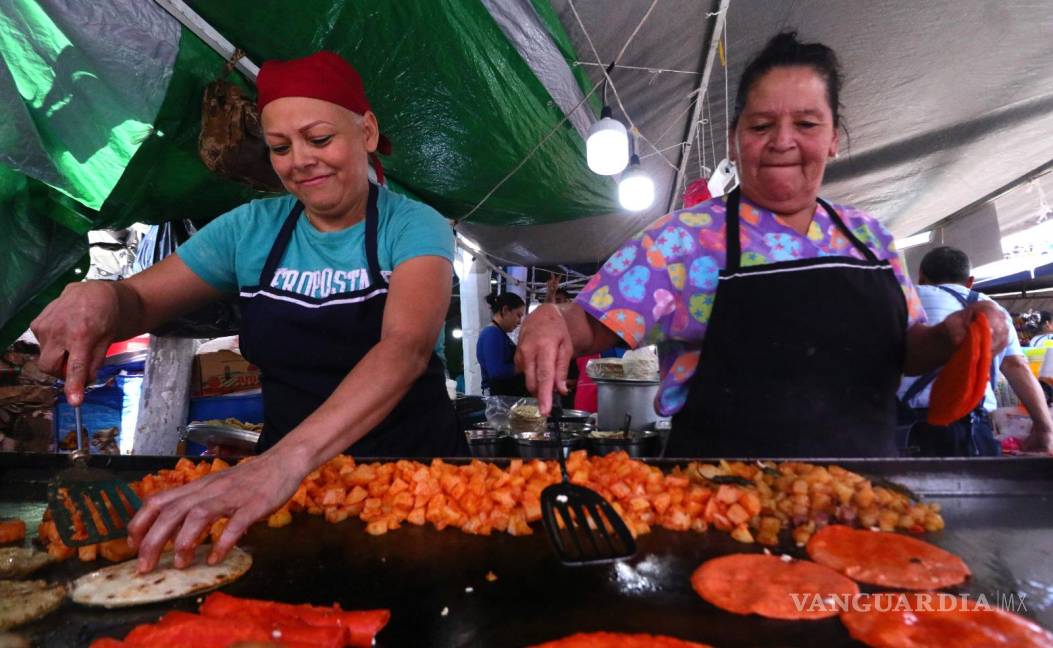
point(231, 143)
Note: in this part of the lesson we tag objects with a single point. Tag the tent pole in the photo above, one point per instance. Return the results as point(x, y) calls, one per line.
point(165, 398)
point(474, 287)
point(700, 93)
point(206, 32)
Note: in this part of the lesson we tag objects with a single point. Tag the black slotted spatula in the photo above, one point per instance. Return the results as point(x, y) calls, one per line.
point(89, 505)
point(582, 527)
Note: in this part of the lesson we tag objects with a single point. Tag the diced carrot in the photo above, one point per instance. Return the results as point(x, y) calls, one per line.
point(279, 518)
point(59, 551)
point(377, 527)
point(218, 527)
point(88, 553)
point(737, 514)
point(12, 530)
point(503, 497)
point(363, 475)
point(728, 494)
point(335, 514)
point(333, 496)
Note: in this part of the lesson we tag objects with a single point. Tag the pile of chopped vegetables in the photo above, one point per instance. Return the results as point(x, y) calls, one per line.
point(751, 501)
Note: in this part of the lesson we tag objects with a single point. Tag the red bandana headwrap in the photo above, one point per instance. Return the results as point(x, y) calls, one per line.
point(322, 75)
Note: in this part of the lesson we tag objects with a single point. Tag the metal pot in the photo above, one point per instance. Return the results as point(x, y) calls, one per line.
point(616, 398)
point(543, 445)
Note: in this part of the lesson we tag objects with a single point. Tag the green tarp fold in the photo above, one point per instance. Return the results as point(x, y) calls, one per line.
point(102, 109)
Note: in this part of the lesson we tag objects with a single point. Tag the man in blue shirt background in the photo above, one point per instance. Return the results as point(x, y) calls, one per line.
point(945, 286)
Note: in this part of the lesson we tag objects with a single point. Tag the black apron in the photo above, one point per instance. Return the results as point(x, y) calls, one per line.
point(801, 358)
point(305, 346)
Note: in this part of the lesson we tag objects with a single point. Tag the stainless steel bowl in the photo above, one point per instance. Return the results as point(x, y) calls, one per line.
point(487, 442)
point(637, 444)
point(543, 445)
point(573, 415)
point(233, 441)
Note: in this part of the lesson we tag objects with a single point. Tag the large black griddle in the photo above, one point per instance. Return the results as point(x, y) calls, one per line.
point(999, 515)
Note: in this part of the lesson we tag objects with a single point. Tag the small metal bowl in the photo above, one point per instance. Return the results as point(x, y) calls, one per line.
point(488, 442)
point(638, 444)
point(543, 445)
point(224, 441)
point(575, 416)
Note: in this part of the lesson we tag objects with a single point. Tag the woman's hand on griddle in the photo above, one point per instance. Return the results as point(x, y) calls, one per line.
point(244, 494)
point(74, 332)
point(544, 353)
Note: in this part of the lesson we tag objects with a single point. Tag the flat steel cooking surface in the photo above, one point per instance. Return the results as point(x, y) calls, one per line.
point(999, 517)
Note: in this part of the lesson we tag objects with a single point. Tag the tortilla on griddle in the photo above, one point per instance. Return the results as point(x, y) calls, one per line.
point(25, 601)
point(121, 586)
point(19, 562)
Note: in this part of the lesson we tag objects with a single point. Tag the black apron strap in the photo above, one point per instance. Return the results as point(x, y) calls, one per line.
point(733, 242)
point(731, 231)
point(372, 224)
point(864, 250)
point(280, 243)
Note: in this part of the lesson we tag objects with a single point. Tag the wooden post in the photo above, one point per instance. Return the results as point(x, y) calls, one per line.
point(165, 398)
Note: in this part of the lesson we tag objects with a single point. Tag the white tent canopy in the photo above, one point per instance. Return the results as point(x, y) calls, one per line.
point(948, 106)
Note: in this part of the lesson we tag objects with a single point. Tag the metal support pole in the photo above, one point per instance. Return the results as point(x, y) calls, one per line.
point(700, 95)
point(165, 399)
point(475, 315)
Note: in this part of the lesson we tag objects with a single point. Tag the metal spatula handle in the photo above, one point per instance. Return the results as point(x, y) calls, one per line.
point(81, 454)
point(557, 414)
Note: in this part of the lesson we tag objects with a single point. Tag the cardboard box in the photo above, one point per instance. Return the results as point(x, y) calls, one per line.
point(222, 372)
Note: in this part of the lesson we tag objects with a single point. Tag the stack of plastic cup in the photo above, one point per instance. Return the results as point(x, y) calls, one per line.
point(1045, 373)
point(1035, 357)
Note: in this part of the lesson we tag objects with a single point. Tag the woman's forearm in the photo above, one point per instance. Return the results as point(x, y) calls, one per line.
point(928, 348)
point(359, 403)
point(586, 334)
point(1027, 389)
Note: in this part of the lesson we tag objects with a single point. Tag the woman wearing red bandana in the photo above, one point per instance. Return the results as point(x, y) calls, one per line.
point(343, 288)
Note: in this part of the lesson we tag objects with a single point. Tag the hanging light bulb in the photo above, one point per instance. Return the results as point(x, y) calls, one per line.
point(636, 189)
point(607, 146)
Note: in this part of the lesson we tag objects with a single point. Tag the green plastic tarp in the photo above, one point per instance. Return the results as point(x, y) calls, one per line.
point(112, 128)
